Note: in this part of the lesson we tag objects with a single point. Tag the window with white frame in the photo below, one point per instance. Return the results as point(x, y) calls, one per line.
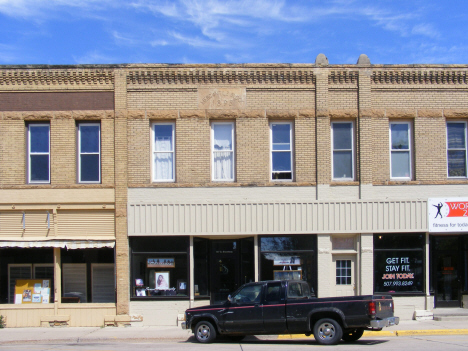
point(343, 150)
point(163, 152)
point(281, 146)
point(456, 149)
point(39, 153)
point(89, 150)
point(400, 150)
point(222, 136)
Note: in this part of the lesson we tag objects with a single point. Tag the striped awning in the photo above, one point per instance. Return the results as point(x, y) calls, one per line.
point(69, 244)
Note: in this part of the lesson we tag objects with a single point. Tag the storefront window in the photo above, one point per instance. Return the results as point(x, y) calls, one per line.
point(88, 276)
point(160, 267)
point(289, 257)
point(21, 269)
point(399, 263)
point(201, 253)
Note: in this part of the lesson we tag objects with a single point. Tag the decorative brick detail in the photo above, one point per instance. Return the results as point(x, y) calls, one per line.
point(418, 77)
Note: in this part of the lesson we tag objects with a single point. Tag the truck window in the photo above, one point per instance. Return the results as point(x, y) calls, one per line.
point(273, 293)
point(295, 290)
point(251, 293)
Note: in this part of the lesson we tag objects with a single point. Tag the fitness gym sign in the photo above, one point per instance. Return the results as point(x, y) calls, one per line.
point(448, 215)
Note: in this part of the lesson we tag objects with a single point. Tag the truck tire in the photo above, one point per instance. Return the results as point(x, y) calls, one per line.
point(205, 332)
point(352, 335)
point(327, 331)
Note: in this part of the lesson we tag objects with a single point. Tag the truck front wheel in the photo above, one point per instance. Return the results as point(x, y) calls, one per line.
point(327, 331)
point(351, 335)
point(205, 332)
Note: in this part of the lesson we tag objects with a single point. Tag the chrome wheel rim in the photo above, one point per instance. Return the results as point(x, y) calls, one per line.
point(203, 332)
point(326, 331)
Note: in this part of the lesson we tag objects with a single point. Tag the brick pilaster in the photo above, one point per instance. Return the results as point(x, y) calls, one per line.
point(122, 249)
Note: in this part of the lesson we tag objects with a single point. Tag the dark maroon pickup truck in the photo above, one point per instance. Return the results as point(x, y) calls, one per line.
point(287, 307)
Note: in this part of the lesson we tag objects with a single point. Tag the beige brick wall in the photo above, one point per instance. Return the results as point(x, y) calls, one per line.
point(305, 157)
point(163, 100)
point(381, 150)
point(139, 151)
point(430, 154)
point(107, 152)
point(12, 152)
point(419, 99)
point(253, 149)
point(343, 99)
point(280, 99)
point(193, 148)
point(63, 152)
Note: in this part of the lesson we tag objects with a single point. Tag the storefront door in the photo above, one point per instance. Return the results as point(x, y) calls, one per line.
point(225, 267)
point(447, 271)
point(343, 275)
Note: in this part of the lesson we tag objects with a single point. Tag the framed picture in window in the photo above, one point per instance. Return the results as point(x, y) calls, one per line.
point(181, 286)
point(287, 275)
point(161, 280)
point(140, 292)
point(138, 282)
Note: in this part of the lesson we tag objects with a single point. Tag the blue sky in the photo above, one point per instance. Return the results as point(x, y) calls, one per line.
point(214, 31)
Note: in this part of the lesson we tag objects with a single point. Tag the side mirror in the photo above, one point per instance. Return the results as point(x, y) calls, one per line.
point(229, 298)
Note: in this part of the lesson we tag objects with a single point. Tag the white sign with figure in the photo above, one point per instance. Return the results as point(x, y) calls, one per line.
point(448, 214)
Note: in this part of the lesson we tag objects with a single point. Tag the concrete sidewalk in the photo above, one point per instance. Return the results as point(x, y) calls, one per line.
point(110, 334)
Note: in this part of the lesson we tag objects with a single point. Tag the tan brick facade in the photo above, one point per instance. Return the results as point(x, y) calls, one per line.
point(127, 100)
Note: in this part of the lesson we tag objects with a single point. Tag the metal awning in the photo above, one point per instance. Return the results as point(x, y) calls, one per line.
point(69, 244)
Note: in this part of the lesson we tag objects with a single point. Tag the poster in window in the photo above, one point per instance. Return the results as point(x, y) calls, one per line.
point(160, 263)
point(36, 298)
point(287, 275)
point(162, 280)
point(138, 282)
point(27, 296)
point(397, 271)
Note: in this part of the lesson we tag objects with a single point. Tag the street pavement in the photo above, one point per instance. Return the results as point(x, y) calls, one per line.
point(155, 334)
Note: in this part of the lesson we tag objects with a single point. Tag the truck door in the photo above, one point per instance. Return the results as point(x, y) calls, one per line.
point(245, 311)
point(274, 308)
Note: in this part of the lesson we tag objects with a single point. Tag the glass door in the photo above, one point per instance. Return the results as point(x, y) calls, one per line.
point(447, 271)
point(224, 269)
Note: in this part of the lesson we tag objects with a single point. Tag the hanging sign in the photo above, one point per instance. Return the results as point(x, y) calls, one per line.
point(160, 263)
point(287, 261)
point(448, 214)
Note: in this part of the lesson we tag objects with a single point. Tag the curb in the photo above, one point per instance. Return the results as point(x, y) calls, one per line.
point(369, 334)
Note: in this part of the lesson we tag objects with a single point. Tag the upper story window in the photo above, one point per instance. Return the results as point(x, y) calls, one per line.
point(400, 150)
point(222, 135)
point(163, 152)
point(281, 146)
point(456, 149)
point(39, 153)
point(343, 151)
point(89, 151)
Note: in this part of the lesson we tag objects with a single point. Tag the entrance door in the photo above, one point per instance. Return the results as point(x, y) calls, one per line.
point(447, 271)
point(224, 269)
point(343, 275)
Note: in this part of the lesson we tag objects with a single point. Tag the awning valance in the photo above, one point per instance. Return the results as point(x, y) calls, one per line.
point(69, 244)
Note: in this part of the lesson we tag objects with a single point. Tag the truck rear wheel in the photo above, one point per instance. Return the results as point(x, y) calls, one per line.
point(327, 331)
point(205, 332)
point(351, 335)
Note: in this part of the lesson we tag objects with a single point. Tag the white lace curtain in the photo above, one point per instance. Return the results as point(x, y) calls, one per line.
point(223, 153)
point(163, 159)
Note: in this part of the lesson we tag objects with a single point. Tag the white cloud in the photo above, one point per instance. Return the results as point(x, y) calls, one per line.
point(94, 57)
point(426, 30)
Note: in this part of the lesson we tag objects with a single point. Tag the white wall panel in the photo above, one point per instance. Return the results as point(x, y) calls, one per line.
point(277, 218)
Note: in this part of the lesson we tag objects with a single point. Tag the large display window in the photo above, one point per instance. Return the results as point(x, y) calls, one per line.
point(289, 257)
point(160, 267)
point(399, 261)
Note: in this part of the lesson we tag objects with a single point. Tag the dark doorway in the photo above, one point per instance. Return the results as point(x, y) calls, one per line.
point(446, 271)
point(232, 264)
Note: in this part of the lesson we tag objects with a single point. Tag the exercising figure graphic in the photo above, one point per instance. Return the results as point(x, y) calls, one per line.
point(439, 206)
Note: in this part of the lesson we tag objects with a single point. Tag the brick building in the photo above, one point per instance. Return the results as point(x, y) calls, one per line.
point(209, 176)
